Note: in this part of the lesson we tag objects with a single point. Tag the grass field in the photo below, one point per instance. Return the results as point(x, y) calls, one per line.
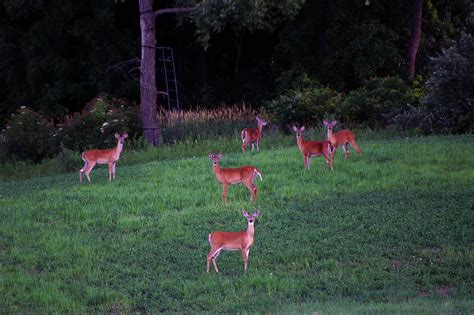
point(392, 231)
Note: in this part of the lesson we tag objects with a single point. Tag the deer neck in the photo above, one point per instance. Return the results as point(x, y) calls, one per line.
point(300, 142)
point(260, 128)
point(118, 148)
point(330, 134)
point(216, 168)
point(250, 230)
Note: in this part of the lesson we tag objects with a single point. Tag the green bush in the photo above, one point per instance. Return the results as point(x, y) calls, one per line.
point(69, 159)
point(29, 136)
point(377, 102)
point(304, 102)
point(449, 100)
point(96, 128)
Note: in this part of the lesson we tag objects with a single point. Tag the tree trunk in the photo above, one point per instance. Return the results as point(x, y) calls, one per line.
point(150, 124)
point(415, 37)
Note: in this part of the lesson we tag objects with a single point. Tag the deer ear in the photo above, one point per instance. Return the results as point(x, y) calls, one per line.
point(256, 214)
point(125, 135)
point(220, 155)
point(334, 122)
point(117, 135)
point(294, 128)
point(245, 213)
point(210, 155)
point(325, 122)
point(302, 128)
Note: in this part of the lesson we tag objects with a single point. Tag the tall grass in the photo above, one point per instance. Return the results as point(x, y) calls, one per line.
point(201, 123)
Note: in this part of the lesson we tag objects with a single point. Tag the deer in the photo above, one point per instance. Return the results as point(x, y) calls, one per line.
point(107, 156)
point(341, 138)
point(230, 176)
point(253, 135)
point(233, 241)
point(310, 149)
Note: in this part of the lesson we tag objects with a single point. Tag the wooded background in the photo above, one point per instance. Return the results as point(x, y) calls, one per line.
point(55, 56)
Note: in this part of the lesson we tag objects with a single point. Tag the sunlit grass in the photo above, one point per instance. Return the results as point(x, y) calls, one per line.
point(387, 232)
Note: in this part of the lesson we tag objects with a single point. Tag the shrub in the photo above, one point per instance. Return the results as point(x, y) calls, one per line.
point(449, 90)
point(29, 136)
point(84, 130)
point(305, 102)
point(377, 102)
point(68, 159)
point(95, 129)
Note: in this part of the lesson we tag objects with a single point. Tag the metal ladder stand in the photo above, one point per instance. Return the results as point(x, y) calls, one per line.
point(171, 84)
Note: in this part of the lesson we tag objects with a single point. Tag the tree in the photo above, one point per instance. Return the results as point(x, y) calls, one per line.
point(211, 16)
point(150, 125)
point(415, 36)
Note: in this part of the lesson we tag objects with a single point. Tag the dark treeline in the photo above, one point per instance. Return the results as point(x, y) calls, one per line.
point(57, 55)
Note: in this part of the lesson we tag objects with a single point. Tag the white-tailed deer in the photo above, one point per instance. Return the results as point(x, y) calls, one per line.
point(242, 241)
point(310, 149)
point(253, 135)
point(341, 138)
point(108, 156)
point(230, 176)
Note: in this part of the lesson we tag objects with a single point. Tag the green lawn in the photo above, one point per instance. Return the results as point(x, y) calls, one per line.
point(392, 231)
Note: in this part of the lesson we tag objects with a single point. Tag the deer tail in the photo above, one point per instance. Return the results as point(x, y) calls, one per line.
point(243, 134)
point(209, 238)
point(85, 161)
point(257, 172)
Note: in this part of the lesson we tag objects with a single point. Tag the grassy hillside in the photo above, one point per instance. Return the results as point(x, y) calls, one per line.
point(390, 231)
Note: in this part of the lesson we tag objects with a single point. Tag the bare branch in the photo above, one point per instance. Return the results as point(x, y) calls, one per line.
point(175, 10)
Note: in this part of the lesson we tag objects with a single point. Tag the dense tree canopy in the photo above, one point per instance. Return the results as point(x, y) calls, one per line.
point(55, 56)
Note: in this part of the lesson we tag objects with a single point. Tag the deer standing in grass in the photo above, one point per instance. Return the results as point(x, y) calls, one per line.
point(253, 135)
point(242, 241)
point(341, 138)
point(108, 156)
point(230, 176)
point(310, 149)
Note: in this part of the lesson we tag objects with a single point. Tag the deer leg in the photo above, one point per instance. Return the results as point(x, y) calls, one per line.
point(211, 256)
point(328, 161)
point(244, 146)
point(252, 146)
point(309, 162)
point(88, 170)
point(246, 257)
point(214, 260)
point(224, 193)
point(333, 154)
point(253, 189)
point(82, 171)
point(113, 170)
point(346, 150)
point(305, 162)
point(110, 164)
point(258, 144)
point(356, 147)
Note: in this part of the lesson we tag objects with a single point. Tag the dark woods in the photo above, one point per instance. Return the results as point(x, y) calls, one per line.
point(366, 62)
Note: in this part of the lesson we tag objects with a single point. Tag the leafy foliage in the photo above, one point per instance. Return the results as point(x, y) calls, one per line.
point(304, 101)
point(377, 101)
point(449, 97)
point(29, 136)
point(241, 15)
point(96, 129)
